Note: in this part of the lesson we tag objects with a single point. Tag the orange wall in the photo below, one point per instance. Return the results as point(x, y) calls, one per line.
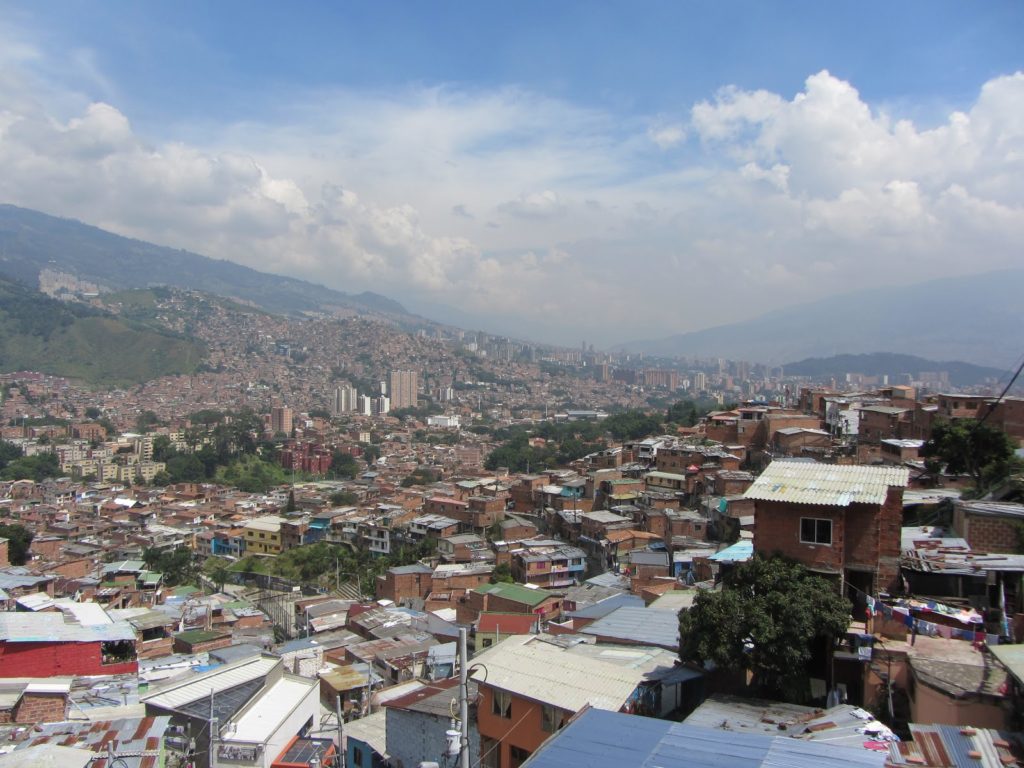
point(931, 706)
point(523, 729)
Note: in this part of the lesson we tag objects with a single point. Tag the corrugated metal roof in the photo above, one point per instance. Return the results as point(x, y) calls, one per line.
point(220, 679)
point(992, 508)
point(638, 625)
point(826, 484)
point(739, 552)
point(1011, 657)
point(540, 671)
point(599, 739)
point(136, 741)
point(53, 628)
point(260, 721)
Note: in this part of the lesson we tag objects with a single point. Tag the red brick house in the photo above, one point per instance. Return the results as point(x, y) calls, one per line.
point(404, 581)
point(989, 526)
point(52, 644)
point(842, 521)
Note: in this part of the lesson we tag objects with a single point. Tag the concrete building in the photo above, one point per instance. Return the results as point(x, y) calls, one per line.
point(282, 420)
point(404, 386)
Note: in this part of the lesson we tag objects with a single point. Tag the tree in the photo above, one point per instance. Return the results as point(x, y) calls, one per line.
point(162, 448)
point(8, 452)
point(344, 498)
point(502, 574)
point(37, 467)
point(344, 464)
point(145, 420)
point(631, 425)
point(92, 412)
point(683, 412)
point(291, 506)
point(972, 448)
point(767, 619)
point(19, 539)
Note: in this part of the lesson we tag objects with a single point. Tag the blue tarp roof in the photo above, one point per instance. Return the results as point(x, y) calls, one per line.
point(740, 551)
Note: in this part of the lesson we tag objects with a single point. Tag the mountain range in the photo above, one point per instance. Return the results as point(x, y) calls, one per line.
point(31, 241)
point(892, 365)
point(976, 318)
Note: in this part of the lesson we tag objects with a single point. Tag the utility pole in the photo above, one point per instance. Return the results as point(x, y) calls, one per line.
point(340, 759)
point(212, 725)
point(463, 699)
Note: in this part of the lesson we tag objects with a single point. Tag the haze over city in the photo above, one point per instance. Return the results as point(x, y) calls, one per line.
point(558, 172)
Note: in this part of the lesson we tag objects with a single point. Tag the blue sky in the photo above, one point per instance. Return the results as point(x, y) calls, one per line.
point(482, 161)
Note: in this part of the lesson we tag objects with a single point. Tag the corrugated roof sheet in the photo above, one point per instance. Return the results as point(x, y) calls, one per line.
point(516, 592)
point(220, 679)
point(739, 552)
point(540, 671)
point(54, 628)
point(638, 625)
point(136, 741)
point(599, 739)
point(826, 484)
point(1011, 657)
point(263, 718)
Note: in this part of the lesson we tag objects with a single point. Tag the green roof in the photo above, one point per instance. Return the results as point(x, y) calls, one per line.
point(194, 636)
point(516, 592)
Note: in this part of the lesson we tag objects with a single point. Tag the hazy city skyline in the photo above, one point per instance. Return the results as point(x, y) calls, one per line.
point(559, 173)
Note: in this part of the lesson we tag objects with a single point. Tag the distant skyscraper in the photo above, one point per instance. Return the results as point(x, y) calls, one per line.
point(345, 399)
point(403, 389)
point(365, 405)
point(281, 420)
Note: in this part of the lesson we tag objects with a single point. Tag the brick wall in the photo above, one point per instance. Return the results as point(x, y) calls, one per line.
point(989, 534)
point(50, 659)
point(4, 556)
point(402, 585)
point(777, 529)
point(41, 708)
point(864, 536)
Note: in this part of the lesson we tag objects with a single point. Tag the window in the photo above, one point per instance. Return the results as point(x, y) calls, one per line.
point(357, 757)
point(487, 642)
point(501, 704)
point(517, 756)
point(490, 752)
point(815, 530)
point(550, 718)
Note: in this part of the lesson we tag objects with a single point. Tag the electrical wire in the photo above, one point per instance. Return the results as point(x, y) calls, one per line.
point(480, 759)
point(992, 406)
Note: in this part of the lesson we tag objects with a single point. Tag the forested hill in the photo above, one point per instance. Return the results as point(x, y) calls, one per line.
point(73, 340)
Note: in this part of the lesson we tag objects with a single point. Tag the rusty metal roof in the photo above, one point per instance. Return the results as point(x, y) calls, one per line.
point(833, 485)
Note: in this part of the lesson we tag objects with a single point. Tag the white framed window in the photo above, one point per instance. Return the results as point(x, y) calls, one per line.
point(815, 530)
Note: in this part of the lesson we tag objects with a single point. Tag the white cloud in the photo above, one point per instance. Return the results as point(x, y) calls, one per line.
point(667, 136)
point(534, 205)
point(573, 221)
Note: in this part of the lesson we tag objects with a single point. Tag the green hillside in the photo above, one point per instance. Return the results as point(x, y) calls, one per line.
point(41, 334)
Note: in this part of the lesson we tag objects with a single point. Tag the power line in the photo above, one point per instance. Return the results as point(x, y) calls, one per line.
point(992, 406)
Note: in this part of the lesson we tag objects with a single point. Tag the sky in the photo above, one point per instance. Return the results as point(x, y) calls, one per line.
point(564, 172)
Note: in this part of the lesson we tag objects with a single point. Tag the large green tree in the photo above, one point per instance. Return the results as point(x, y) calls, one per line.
point(19, 539)
point(766, 619)
point(971, 448)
